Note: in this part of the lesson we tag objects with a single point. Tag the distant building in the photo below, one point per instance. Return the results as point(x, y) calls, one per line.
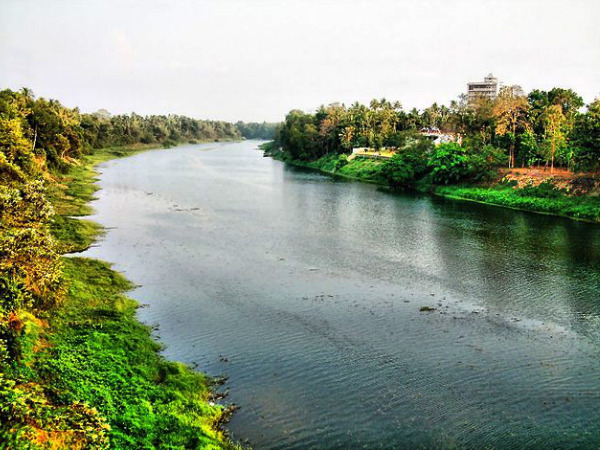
point(486, 88)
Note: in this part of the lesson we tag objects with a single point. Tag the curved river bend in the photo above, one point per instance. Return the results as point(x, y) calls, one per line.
point(306, 291)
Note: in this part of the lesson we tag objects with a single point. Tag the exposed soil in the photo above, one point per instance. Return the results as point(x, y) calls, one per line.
point(574, 183)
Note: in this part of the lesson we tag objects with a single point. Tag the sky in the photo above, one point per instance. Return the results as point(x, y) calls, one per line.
point(256, 60)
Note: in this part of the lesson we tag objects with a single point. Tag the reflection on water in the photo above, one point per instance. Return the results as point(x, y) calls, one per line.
point(306, 292)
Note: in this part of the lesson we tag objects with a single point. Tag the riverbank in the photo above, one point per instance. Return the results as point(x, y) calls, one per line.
point(361, 169)
point(558, 204)
point(92, 375)
point(576, 199)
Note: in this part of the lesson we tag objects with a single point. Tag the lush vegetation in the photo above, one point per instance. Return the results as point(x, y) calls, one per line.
point(363, 169)
point(541, 130)
point(78, 371)
point(56, 135)
point(545, 198)
point(76, 368)
point(98, 354)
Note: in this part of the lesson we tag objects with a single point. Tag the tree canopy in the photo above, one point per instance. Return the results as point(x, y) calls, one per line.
point(542, 128)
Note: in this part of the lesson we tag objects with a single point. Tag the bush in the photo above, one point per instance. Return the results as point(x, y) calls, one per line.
point(484, 162)
point(341, 162)
point(544, 200)
point(406, 167)
point(450, 163)
point(543, 190)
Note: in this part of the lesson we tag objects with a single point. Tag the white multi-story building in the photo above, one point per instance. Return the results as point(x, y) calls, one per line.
point(486, 88)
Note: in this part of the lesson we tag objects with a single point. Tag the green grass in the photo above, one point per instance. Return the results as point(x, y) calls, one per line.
point(559, 204)
point(75, 189)
point(74, 234)
point(363, 169)
point(100, 355)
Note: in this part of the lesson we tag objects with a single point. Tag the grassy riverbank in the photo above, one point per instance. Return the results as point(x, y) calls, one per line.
point(548, 197)
point(90, 375)
point(557, 204)
point(363, 169)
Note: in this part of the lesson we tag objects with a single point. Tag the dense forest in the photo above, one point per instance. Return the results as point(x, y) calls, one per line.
point(513, 130)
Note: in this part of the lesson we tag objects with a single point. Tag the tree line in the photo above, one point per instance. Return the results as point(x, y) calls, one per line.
point(57, 134)
point(542, 128)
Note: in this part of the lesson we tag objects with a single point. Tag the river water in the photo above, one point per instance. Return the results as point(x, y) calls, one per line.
point(306, 292)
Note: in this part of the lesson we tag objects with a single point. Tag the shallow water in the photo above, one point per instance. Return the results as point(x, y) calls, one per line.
point(305, 291)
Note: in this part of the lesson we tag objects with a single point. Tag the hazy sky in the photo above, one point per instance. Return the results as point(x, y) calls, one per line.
point(255, 60)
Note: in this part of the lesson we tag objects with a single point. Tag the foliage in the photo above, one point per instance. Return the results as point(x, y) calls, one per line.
point(337, 129)
point(542, 190)
point(586, 137)
point(29, 419)
point(43, 132)
point(30, 269)
point(408, 165)
point(363, 169)
point(99, 354)
point(28, 255)
point(510, 110)
point(544, 127)
point(253, 130)
point(450, 163)
point(542, 200)
point(484, 161)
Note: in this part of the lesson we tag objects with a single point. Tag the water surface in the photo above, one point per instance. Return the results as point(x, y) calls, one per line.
point(306, 292)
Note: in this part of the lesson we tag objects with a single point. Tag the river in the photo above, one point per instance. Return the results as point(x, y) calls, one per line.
point(306, 292)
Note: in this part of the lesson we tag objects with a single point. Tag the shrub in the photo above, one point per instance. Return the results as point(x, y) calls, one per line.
point(450, 163)
point(341, 162)
point(542, 190)
point(406, 167)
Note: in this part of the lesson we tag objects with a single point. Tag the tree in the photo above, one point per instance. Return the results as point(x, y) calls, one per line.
point(347, 136)
point(567, 99)
point(481, 120)
point(16, 153)
point(408, 165)
point(553, 120)
point(586, 138)
point(510, 110)
point(449, 164)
